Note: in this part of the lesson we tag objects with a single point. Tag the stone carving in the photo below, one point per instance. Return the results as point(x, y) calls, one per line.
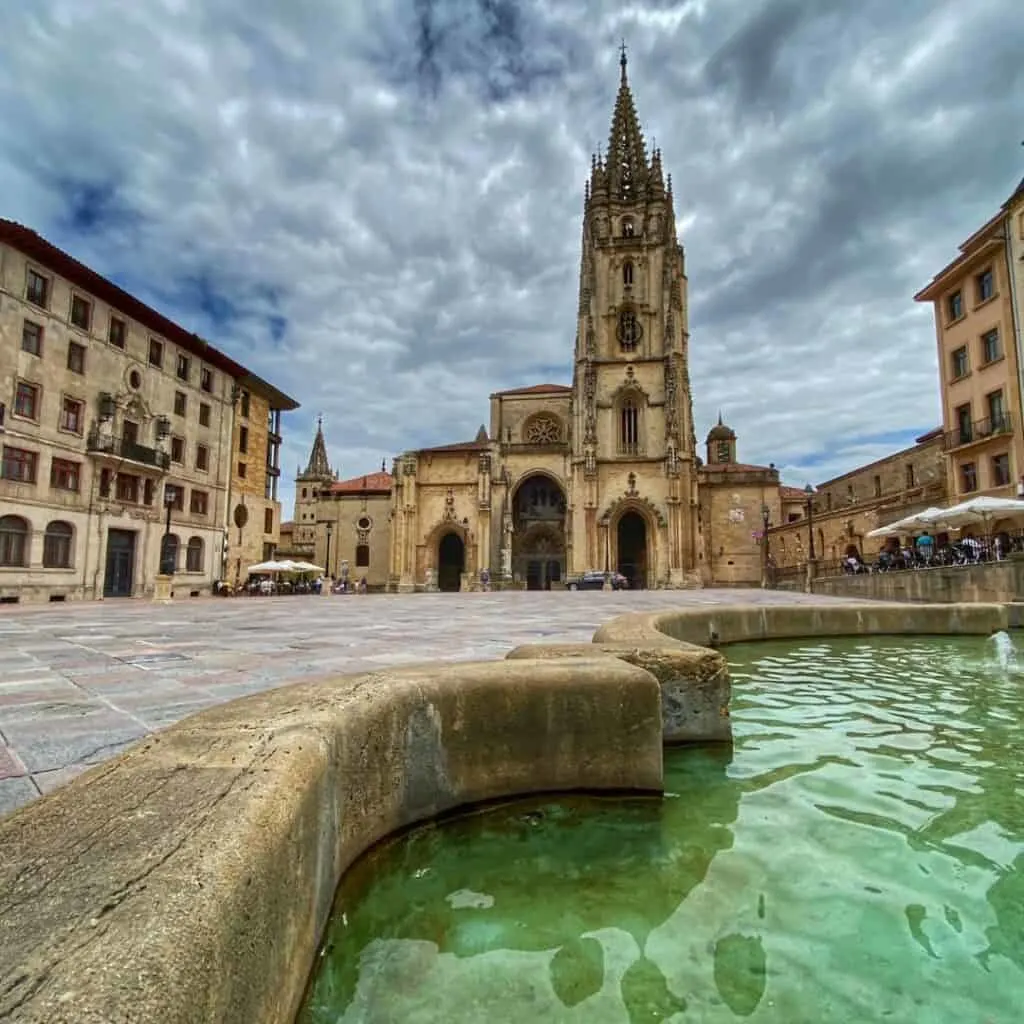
point(449, 504)
point(590, 462)
point(543, 429)
point(631, 491)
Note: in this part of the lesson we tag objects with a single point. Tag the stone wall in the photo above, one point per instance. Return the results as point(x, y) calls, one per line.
point(997, 581)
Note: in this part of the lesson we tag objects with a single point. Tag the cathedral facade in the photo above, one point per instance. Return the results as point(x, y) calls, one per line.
point(602, 474)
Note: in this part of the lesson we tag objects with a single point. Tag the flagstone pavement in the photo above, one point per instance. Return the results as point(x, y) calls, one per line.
point(80, 683)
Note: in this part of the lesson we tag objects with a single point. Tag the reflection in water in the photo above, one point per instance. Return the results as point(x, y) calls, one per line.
point(859, 856)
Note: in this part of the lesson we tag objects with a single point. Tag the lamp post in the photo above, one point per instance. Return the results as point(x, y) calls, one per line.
point(327, 567)
point(167, 559)
point(809, 491)
point(765, 517)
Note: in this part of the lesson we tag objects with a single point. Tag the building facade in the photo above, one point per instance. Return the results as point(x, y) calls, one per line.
point(845, 509)
point(977, 332)
point(116, 437)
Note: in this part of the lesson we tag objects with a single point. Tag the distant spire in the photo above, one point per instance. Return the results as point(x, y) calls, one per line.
point(720, 417)
point(383, 465)
point(622, 60)
point(318, 466)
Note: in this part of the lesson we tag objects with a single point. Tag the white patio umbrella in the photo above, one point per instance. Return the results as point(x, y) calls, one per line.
point(984, 510)
point(930, 517)
point(306, 567)
point(270, 567)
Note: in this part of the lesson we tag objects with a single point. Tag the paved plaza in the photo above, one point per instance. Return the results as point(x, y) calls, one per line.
point(80, 683)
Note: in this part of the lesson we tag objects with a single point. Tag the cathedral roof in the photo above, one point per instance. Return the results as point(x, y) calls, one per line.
point(318, 467)
point(736, 467)
point(537, 389)
point(369, 483)
point(792, 493)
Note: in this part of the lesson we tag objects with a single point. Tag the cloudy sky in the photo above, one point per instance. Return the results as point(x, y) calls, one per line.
point(375, 203)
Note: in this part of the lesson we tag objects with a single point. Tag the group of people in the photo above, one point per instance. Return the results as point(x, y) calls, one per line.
point(925, 551)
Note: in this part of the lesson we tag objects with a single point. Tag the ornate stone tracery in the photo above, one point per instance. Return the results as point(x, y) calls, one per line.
point(543, 429)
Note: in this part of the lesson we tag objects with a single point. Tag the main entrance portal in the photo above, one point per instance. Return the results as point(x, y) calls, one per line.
point(451, 562)
point(538, 540)
point(632, 549)
point(120, 573)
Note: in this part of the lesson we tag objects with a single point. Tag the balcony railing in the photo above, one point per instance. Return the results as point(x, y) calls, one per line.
point(979, 430)
point(123, 448)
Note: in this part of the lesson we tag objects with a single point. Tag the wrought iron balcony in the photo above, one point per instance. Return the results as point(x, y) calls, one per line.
point(979, 430)
point(123, 448)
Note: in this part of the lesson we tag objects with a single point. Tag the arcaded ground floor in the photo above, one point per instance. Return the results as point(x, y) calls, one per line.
point(79, 683)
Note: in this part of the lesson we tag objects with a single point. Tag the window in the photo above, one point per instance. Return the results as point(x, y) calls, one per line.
point(32, 338)
point(985, 285)
point(955, 306)
point(105, 475)
point(991, 350)
point(199, 503)
point(194, 555)
point(81, 312)
point(963, 423)
point(243, 439)
point(362, 556)
point(38, 290)
point(156, 352)
point(169, 545)
point(268, 520)
point(72, 415)
point(996, 411)
point(130, 431)
point(968, 477)
point(148, 488)
point(204, 414)
point(627, 274)
point(202, 457)
point(65, 475)
point(180, 403)
point(627, 227)
point(543, 430)
point(14, 536)
point(19, 465)
point(206, 379)
point(242, 470)
point(76, 357)
point(26, 400)
point(117, 333)
point(57, 546)
point(911, 478)
point(177, 496)
point(126, 488)
point(959, 362)
point(177, 449)
point(245, 404)
point(183, 367)
point(1000, 470)
point(629, 427)
point(878, 486)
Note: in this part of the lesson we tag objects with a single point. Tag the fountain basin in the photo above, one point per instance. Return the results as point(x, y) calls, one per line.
point(191, 878)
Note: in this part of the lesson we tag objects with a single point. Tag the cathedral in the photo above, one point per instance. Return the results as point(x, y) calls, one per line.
point(600, 475)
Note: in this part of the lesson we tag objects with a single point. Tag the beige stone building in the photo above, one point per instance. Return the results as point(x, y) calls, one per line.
point(110, 415)
point(976, 326)
point(600, 474)
point(845, 509)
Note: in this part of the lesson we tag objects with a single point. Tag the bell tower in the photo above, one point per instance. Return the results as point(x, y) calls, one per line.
point(308, 483)
point(633, 441)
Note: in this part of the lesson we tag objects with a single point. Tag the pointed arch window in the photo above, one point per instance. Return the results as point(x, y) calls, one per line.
point(629, 426)
point(627, 274)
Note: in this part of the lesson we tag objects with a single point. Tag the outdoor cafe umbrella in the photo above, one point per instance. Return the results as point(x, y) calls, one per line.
point(270, 567)
point(918, 521)
point(306, 567)
point(984, 510)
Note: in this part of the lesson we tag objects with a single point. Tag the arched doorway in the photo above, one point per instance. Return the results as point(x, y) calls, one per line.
point(631, 536)
point(451, 562)
point(538, 538)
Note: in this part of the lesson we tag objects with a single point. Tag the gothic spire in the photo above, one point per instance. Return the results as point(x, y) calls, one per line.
point(627, 153)
point(318, 466)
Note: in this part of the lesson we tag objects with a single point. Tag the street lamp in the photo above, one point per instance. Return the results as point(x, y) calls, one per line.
point(809, 491)
point(766, 513)
point(167, 559)
point(327, 568)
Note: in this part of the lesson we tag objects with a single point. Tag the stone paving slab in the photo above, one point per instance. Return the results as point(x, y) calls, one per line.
point(81, 682)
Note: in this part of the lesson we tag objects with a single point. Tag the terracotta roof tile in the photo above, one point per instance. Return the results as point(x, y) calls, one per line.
point(376, 483)
point(792, 493)
point(538, 389)
point(742, 467)
point(458, 446)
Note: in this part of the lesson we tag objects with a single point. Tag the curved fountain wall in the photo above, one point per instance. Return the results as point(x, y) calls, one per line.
point(191, 878)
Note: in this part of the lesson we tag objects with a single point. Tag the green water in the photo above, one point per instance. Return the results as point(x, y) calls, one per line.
point(857, 856)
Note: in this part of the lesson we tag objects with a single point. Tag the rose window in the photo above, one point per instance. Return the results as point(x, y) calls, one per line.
point(543, 430)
